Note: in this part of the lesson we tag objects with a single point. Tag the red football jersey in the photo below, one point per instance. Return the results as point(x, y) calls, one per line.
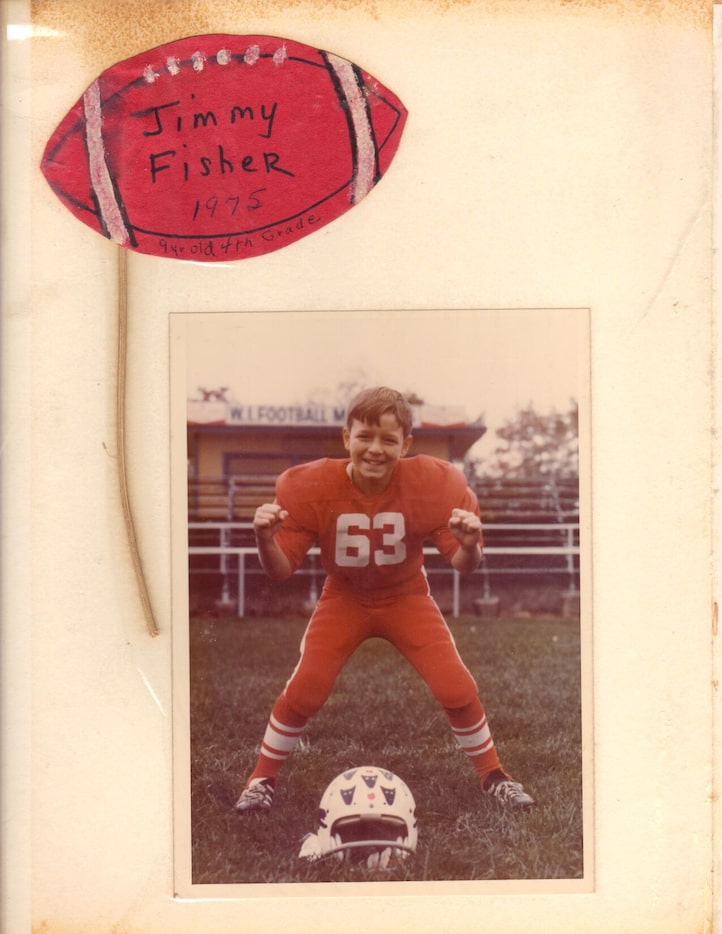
point(372, 543)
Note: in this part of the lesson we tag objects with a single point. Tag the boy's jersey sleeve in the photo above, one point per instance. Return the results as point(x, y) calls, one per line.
point(298, 532)
point(460, 497)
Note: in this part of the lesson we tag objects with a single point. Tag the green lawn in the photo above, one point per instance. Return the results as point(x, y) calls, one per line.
point(380, 713)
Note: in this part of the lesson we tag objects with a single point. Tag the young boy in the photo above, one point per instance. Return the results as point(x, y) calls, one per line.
point(371, 514)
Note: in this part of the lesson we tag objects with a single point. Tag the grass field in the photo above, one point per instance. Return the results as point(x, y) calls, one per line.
point(380, 713)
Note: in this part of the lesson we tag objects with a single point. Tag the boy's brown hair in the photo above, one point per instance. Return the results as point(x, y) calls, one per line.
point(370, 404)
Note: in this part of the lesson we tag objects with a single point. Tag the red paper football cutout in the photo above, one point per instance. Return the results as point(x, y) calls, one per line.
point(220, 147)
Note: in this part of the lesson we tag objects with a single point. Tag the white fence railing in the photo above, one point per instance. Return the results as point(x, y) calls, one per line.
point(237, 554)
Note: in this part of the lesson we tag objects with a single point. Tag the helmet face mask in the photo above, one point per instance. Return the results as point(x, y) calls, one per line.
point(367, 811)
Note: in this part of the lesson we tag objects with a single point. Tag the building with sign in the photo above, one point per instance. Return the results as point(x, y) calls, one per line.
point(242, 448)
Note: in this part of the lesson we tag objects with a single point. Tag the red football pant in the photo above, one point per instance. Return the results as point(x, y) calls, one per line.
point(415, 626)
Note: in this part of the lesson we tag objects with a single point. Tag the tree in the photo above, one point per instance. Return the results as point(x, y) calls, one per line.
point(346, 389)
point(343, 392)
point(535, 446)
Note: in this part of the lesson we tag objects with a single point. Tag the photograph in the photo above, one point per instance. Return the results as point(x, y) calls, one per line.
point(388, 661)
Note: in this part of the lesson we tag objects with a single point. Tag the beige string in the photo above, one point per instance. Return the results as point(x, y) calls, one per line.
point(120, 439)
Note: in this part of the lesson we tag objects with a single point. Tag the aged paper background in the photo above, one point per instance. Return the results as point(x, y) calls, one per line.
point(556, 154)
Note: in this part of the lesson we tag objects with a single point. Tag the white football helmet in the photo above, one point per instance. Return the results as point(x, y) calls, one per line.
point(367, 809)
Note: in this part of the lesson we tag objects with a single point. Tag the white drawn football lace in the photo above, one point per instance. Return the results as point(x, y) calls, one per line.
point(198, 60)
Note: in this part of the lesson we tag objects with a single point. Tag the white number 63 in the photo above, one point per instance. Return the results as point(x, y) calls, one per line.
point(353, 541)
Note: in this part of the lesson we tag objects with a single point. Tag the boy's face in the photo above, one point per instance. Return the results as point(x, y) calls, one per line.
point(374, 451)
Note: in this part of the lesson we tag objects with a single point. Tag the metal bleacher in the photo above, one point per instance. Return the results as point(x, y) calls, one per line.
point(531, 532)
point(527, 512)
point(229, 499)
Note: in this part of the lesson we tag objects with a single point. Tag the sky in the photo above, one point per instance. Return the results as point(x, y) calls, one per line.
point(491, 362)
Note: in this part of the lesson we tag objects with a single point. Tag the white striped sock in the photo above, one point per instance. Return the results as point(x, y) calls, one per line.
point(476, 739)
point(279, 740)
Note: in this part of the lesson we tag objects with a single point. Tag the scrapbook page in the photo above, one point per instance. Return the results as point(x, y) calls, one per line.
point(227, 227)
